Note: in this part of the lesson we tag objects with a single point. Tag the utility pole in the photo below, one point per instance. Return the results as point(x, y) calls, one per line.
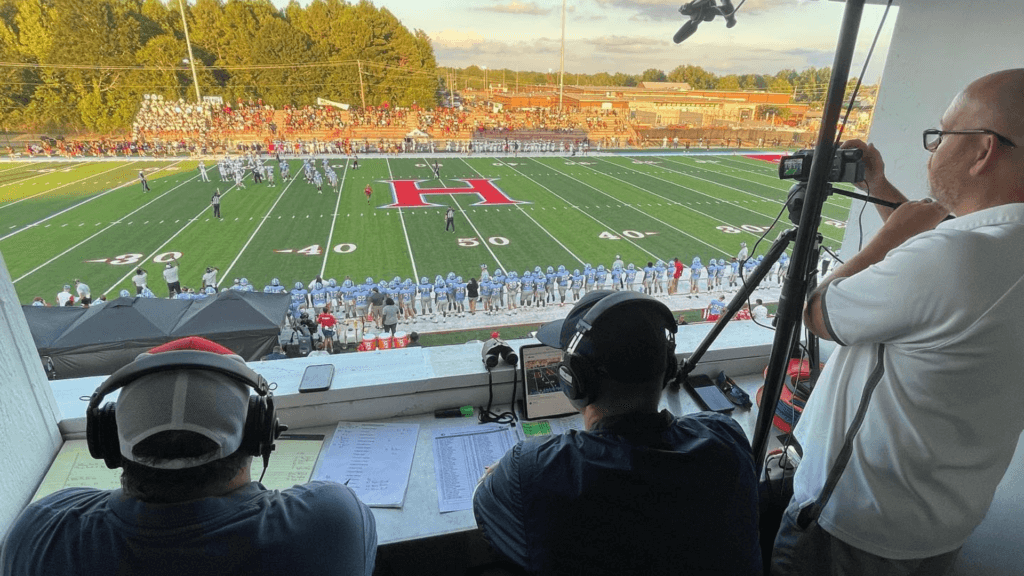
point(561, 65)
point(362, 92)
point(517, 80)
point(191, 59)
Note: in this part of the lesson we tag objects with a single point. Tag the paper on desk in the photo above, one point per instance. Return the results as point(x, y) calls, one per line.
point(291, 463)
point(460, 456)
point(374, 460)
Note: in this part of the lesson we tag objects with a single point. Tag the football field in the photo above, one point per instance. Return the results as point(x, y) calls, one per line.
point(91, 220)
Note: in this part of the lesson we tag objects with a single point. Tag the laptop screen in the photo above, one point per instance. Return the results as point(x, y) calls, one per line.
point(544, 397)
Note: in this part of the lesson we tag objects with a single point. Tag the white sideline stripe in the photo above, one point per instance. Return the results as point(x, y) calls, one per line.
point(168, 241)
point(48, 190)
point(589, 215)
point(483, 240)
point(254, 232)
point(334, 220)
point(401, 216)
point(111, 225)
point(86, 201)
point(523, 212)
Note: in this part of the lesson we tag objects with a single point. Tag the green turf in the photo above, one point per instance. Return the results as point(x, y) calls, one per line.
point(56, 217)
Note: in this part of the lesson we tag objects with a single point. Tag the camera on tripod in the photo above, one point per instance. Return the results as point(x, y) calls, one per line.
point(847, 166)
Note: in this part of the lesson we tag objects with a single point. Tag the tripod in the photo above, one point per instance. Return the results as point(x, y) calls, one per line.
point(806, 244)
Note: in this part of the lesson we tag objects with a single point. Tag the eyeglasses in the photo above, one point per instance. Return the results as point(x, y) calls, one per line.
point(933, 137)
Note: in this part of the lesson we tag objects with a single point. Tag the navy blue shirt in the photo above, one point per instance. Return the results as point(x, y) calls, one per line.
point(314, 528)
point(638, 494)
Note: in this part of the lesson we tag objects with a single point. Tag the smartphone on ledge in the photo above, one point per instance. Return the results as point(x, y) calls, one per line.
point(707, 394)
point(317, 378)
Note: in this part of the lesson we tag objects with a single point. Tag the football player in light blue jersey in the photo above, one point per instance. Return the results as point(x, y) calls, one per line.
point(550, 281)
point(285, 172)
point(441, 297)
point(591, 275)
point(485, 294)
point(425, 290)
point(660, 278)
point(246, 287)
point(348, 296)
point(783, 267)
point(512, 285)
point(147, 293)
point(600, 278)
point(540, 284)
point(630, 277)
point(648, 281)
point(274, 287)
point(563, 279)
point(498, 288)
point(528, 289)
point(723, 273)
point(716, 307)
point(362, 297)
point(407, 293)
point(459, 296)
point(748, 267)
point(695, 269)
point(734, 271)
point(318, 296)
point(578, 280)
point(616, 278)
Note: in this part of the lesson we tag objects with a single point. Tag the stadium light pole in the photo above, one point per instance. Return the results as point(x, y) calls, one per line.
point(561, 62)
point(191, 59)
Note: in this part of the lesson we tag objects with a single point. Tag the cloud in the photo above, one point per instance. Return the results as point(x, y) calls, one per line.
point(515, 7)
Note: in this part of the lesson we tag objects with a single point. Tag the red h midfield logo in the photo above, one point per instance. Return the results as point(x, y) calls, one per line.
point(408, 194)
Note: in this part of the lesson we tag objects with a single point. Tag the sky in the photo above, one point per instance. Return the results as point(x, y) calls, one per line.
point(633, 35)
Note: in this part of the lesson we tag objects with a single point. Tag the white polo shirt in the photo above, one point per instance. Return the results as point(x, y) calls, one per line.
point(944, 421)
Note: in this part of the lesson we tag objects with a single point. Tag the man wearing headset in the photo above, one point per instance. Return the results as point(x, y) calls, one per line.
point(639, 491)
point(184, 430)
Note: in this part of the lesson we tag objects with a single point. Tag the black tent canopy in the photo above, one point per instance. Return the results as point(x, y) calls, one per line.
point(99, 340)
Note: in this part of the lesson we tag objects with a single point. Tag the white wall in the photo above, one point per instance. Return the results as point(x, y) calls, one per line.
point(938, 47)
point(29, 437)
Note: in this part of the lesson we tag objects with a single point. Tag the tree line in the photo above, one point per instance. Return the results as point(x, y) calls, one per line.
point(86, 64)
point(809, 85)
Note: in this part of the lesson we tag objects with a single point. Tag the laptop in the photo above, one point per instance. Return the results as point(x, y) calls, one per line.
point(543, 396)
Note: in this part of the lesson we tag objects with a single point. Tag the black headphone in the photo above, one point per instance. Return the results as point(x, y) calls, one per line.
point(576, 370)
point(261, 423)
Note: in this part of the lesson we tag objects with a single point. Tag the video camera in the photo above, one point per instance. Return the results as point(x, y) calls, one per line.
point(847, 166)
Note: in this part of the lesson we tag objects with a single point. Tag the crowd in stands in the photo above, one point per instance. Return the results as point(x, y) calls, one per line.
point(383, 116)
point(309, 118)
point(443, 122)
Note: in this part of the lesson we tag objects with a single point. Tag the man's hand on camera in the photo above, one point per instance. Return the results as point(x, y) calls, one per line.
point(874, 167)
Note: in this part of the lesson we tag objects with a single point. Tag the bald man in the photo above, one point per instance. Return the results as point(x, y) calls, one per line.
point(929, 316)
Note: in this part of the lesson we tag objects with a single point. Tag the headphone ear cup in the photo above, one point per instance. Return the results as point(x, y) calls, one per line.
point(574, 373)
point(671, 367)
point(101, 435)
point(252, 438)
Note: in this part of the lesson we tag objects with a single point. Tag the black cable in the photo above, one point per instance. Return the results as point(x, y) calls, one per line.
point(486, 414)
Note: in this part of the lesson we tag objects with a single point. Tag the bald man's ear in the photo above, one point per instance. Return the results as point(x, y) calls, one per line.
point(986, 155)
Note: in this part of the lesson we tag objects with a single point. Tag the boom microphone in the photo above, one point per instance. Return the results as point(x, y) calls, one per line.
point(704, 11)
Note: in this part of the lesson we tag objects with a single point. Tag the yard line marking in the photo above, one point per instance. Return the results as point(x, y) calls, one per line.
point(111, 225)
point(587, 214)
point(710, 217)
point(520, 208)
point(660, 221)
point(408, 245)
point(334, 220)
point(168, 241)
point(762, 184)
point(86, 201)
point(50, 189)
point(225, 274)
